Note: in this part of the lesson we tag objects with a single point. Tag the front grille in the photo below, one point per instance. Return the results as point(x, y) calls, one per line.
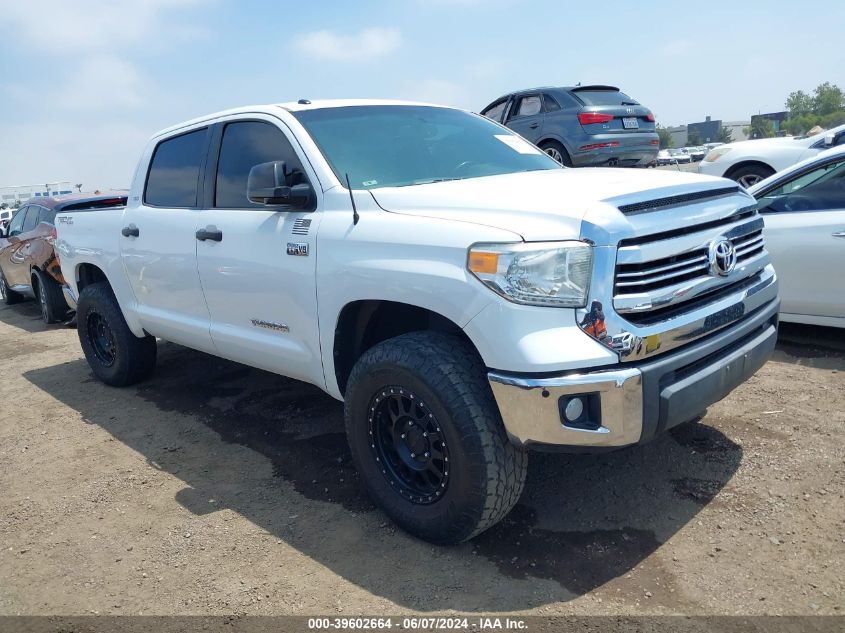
point(670, 271)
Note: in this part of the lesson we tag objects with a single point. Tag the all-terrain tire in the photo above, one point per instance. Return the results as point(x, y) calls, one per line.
point(115, 354)
point(446, 379)
point(54, 308)
point(9, 296)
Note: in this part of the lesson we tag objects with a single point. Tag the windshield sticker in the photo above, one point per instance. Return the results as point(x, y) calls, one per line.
point(518, 144)
point(369, 183)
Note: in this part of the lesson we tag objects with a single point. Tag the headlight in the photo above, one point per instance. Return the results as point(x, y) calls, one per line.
point(716, 153)
point(553, 274)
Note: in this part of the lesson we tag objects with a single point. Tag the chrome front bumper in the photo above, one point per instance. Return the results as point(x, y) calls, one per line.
point(638, 400)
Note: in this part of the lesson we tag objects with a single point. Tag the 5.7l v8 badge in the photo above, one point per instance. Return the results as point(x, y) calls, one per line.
point(300, 249)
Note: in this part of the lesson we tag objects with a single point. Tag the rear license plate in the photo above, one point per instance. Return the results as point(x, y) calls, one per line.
point(630, 122)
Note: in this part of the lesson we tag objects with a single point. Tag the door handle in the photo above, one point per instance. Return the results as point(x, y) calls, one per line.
point(534, 126)
point(130, 231)
point(839, 234)
point(210, 233)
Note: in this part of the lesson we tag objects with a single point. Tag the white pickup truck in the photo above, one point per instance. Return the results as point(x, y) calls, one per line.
point(466, 296)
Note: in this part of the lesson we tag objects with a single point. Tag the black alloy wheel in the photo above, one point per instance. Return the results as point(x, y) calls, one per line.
point(406, 441)
point(101, 338)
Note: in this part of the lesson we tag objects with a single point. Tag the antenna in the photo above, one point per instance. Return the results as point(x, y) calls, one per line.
point(355, 216)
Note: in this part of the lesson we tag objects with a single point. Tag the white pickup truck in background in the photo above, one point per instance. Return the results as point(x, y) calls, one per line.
point(465, 295)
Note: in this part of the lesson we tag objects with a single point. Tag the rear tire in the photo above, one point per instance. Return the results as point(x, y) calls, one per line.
point(751, 174)
point(9, 296)
point(115, 354)
point(54, 308)
point(427, 392)
point(557, 151)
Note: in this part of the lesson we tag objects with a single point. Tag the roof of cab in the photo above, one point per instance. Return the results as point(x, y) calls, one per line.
point(294, 106)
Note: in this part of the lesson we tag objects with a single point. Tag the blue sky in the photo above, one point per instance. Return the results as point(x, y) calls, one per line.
point(83, 84)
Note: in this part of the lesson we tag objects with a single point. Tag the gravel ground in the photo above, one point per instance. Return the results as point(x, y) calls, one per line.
point(216, 489)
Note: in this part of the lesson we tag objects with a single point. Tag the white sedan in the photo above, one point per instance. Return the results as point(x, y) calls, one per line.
point(749, 162)
point(804, 213)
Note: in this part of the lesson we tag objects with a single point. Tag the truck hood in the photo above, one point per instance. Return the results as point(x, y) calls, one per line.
point(541, 205)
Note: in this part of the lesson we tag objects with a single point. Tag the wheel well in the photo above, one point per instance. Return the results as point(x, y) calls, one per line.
point(363, 324)
point(747, 163)
point(87, 274)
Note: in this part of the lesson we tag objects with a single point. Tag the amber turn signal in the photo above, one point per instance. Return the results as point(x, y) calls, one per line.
point(483, 262)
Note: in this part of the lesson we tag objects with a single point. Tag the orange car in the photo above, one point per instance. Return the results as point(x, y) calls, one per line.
point(29, 266)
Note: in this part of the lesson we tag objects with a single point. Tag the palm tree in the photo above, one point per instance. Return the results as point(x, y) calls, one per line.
point(79, 187)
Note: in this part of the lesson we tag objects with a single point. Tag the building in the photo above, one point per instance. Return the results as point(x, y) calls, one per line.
point(707, 130)
point(777, 119)
point(15, 195)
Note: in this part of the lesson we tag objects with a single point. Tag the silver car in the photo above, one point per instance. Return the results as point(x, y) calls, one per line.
point(581, 125)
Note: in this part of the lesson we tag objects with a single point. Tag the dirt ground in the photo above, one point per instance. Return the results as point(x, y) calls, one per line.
point(216, 489)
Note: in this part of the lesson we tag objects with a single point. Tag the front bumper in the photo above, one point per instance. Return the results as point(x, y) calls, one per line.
point(637, 400)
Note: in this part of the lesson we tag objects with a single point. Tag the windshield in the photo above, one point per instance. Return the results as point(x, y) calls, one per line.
point(395, 146)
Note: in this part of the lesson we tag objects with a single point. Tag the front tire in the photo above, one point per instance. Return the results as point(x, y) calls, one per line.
point(751, 174)
point(427, 438)
point(54, 308)
point(116, 356)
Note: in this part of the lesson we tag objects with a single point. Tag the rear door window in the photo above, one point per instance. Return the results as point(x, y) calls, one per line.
point(174, 171)
point(46, 215)
point(529, 105)
point(604, 98)
point(247, 144)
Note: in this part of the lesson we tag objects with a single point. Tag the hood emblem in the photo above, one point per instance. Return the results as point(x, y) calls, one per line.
point(722, 256)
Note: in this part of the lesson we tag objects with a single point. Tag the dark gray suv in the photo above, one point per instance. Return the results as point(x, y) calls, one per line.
point(582, 125)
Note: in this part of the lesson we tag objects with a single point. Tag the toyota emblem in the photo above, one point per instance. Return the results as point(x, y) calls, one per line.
point(722, 256)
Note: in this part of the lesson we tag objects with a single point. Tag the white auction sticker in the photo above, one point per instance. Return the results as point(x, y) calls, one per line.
point(518, 143)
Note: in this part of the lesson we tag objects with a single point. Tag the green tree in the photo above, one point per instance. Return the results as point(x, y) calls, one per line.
point(694, 138)
point(760, 128)
point(726, 135)
point(799, 103)
point(665, 137)
point(827, 99)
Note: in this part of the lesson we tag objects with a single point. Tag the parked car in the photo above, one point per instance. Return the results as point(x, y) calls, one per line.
point(29, 266)
point(465, 295)
point(582, 125)
point(680, 156)
point(665, 158)
point(6, 217)
point(749, 162)
point(696, 153)
point(804, 211)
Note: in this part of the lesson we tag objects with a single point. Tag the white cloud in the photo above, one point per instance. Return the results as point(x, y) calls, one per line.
point(60, 26)
point(102, 82)
point(365, 45)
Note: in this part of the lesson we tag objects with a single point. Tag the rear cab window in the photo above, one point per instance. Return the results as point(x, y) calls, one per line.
point(172, 180)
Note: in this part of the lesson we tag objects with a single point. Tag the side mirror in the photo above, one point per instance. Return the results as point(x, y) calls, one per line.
point(267, 184)
point(829, 139)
